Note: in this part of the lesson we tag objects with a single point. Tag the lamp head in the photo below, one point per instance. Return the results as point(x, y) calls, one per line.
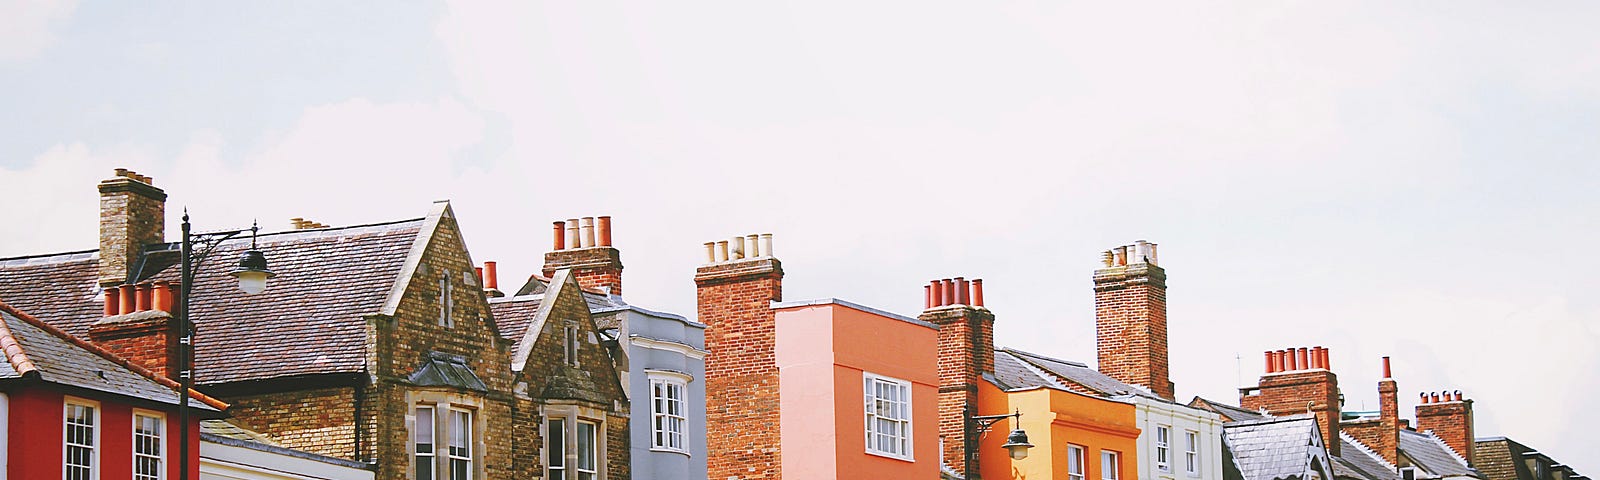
point(252, 272)
point(1018, 444)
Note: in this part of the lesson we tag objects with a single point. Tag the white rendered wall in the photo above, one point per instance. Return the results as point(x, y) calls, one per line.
point(1151, 413)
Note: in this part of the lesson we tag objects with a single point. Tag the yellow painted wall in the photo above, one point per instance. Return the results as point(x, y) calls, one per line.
point(1055, 419)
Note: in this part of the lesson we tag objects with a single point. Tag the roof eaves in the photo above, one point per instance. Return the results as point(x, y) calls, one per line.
point(519, 359)
point(1366, 451)
point(419, 246)
point(106, 354)
point(854, 306)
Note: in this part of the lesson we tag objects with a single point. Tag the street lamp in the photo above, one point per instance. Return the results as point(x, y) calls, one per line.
point(252, 273)
point(1016, 442)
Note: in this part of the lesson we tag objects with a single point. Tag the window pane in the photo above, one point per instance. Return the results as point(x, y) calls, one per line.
point(556, 448)
point(1074, 462)
point(1108, 465)
point(585, 446)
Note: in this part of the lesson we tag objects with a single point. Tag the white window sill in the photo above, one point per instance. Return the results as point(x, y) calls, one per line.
point(671, 450)
point(903, 458)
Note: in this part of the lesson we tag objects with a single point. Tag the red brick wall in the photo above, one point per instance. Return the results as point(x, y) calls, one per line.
point(1451, 421)
point(733, 300)
point(142, 338)
point(1130, 304)
point(966, 351)
point(596, 268)
point(1292, 393)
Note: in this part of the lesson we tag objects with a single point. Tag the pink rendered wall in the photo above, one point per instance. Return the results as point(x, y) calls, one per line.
point(822, 351)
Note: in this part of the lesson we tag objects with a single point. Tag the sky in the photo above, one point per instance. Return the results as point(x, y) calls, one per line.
point(1413, 179)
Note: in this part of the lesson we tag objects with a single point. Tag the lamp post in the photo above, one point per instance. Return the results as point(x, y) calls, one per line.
point(1016, 442)
point(252, 273)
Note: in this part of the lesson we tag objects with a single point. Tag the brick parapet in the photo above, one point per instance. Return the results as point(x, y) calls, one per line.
point(1131, 326)
point(734, 301)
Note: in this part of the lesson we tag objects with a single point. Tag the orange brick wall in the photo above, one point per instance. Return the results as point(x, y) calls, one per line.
point(734, 301)
point(1130, 304)
point(145, 342)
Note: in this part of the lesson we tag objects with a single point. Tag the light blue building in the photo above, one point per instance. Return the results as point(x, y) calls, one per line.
point(663, 369)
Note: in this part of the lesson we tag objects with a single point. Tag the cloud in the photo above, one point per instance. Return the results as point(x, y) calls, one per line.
point(27, 27)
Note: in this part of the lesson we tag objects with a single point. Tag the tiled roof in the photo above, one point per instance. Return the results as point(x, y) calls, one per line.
point(308, 321)
point(1275, 448)
point(221, 428)
point(1012, 373)
point(513, 314)
point(1358, 462)
point(1494, 458)
point(1431, 453)
point(34, 349)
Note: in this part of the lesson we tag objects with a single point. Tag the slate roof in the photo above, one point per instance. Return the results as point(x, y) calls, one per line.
point(221, 428)
point(1024, 370)
point(1431, 453)
point(1230, 412)
point(513, 314)
point(1358, 462)
point(36, 350)
point(446, 370)
point(1275, 448)
point(308, 321)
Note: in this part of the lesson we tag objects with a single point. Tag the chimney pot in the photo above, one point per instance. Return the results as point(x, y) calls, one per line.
point(927, 297)
point(722, 251)
point(143, 298)
point(603, 226)
point(977, 292)
point(938, 293)
point(492, 272)
point(1153, 260)
point(1386, 371)
point(961, 291)
point(572, 234)
point(753, 243)
point(1301, 361)
point(737, 249)
point(112, 299)
point(1268, 356)
point(1121, 255)
point(1108, 258)
point(1424, 397)
point(949, 291)
point(766, 244)
point(1458, 395)
point(1434, 398)
point(711, 252)
point(586, 228)
point(163, 296)
point(558, 239)
point(479, 272)
point(129, 301)
point(122, 172)
point(1143, 252)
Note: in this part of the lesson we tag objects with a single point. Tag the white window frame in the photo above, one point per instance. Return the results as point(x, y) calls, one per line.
point(455, 434)
point(431, 457)
point(94, 436)
point(1115, 471)
point(1075, 462)
point(566, 465)
point(555, 462)
point(1191, 452)
point(160, 443)
point(874, 405)
point(1163, 448)
point(593, 470)
point(668, 426)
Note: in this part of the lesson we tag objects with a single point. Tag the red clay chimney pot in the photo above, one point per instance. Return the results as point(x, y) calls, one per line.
point(1302, 360)
point(1386, 371)
point(961, 291)
point(938, 293)
point(603, 225)
point(559, 239)
point(491, 273)
point(977, 292)
point(112, 299)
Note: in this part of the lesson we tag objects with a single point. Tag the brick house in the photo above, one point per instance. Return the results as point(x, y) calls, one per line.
point(659, 358)
point(374, 343)
point(75, 410)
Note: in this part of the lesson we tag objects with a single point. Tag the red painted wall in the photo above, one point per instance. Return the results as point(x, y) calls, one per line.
point(37, 426)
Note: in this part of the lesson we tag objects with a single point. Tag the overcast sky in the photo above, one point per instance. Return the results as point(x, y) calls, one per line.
point(1413, 179)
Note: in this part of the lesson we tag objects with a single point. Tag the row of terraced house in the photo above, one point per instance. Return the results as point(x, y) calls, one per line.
point(385, 351)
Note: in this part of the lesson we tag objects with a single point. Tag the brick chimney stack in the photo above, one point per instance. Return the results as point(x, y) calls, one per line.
point(1296, 382)
point(966, 352)
point(584, 245)
point(1449, 416)
point(136, 324)
point(1130, 305)
point(1382, 434)
point(734, 292)
point(132, 215)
